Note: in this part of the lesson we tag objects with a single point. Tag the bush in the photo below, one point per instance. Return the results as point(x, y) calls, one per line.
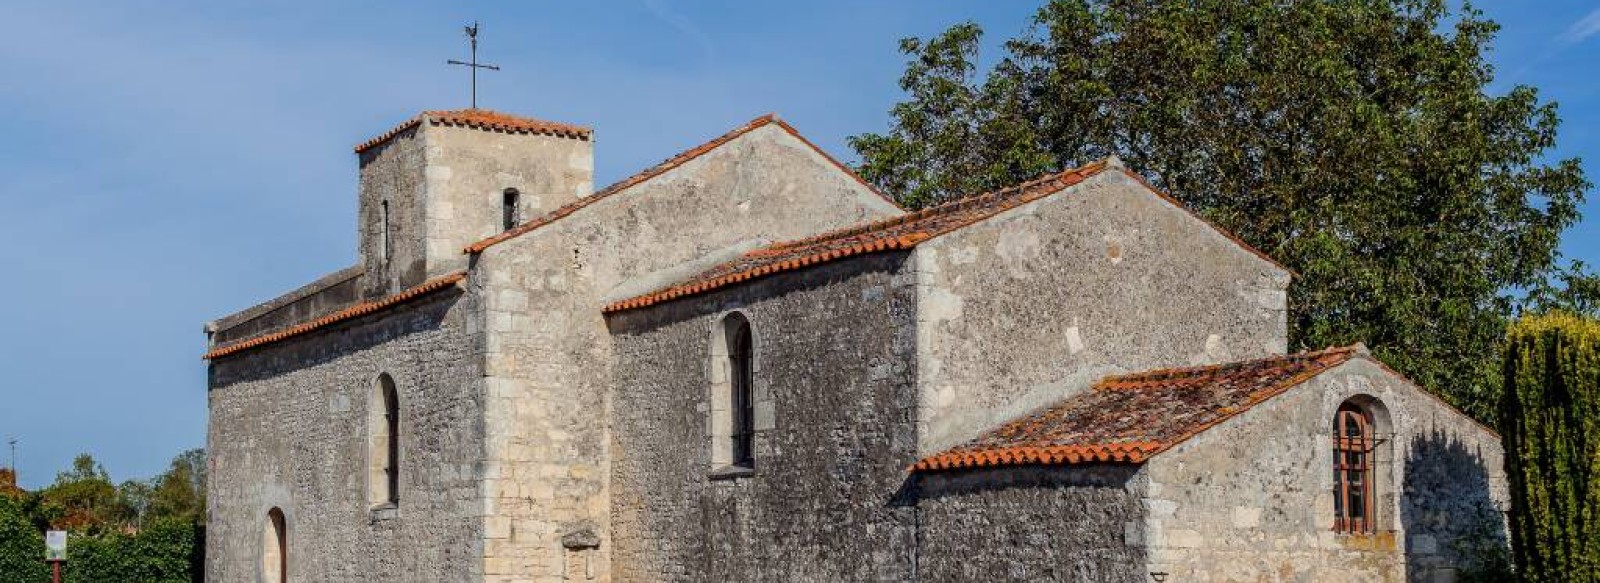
point(1550, 420)
point(159, 553)
point(21, 545)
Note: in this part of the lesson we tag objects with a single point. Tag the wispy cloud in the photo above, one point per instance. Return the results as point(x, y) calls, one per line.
point(683, 25)
point(1581, 30)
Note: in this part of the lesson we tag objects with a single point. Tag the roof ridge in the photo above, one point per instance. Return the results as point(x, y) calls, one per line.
point(361, 309)
point(653, 171)
point(1180, 371)
point(1135, 423)
point(950, 206)
point(484, 119)
point(1001, 200)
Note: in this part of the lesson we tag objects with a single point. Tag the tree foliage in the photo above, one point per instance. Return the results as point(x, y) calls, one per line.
point(84, 499)
point(1550, 420)
point(142, 530)
point(1356, 142)
point(21, 545)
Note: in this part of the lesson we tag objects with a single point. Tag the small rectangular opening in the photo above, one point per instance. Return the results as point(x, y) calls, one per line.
point(509, 218)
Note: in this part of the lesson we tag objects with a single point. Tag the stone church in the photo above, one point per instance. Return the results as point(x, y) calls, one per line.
point(746, 364)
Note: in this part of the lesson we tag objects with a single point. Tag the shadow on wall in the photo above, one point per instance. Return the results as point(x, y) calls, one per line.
point(1454, 530)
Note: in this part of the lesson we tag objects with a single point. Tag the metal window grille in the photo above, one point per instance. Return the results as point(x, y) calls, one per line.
point(1352, 471)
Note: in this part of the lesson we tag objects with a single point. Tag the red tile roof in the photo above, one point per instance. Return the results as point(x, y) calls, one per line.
point(482, 119)
point(356, 311)
point(902, 232)
point(1129, 418)
point(659, 169)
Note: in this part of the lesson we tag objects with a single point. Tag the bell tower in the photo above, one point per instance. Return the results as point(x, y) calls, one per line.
point(446, 179)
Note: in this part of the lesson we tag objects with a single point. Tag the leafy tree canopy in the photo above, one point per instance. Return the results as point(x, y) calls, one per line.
point(1356, 142)
point(84, 498)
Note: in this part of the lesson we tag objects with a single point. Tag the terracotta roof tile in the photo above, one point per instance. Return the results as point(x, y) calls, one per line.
point(902, 232)
point(1129, 418)
point(666, 165)
point(482, 119)
point(356, 311)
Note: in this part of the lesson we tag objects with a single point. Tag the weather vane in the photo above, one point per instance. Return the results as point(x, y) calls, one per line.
point(474, 65)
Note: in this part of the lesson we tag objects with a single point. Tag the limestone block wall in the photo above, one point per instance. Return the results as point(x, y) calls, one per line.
point(288, 425)
point(468, 171)
point(1035, 304)
point(549, 356)
point(444, 187)
point(1062, 523)
point(828, 501)
point(1252, 499)
point(393, 173)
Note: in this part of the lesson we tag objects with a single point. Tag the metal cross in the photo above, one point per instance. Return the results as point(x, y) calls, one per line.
point(474, 65)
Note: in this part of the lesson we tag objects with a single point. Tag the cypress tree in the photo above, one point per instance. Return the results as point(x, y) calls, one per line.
point(1550, 420)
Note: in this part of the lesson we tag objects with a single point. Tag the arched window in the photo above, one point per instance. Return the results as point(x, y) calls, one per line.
point(383, 442)
point(509, 215)
point(1354, 445)
point(733, 399)
point(275, 549)
point(744, 412)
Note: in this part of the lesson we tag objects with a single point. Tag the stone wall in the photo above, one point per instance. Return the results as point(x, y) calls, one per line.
point(1252, 499)
point(549, 356)
point(328, 294)
point(444, 187)
point(834, 353)
point(1063, 523)
point(288, 430)
point(469, 170)
point(393, 172)
point(1035, 304)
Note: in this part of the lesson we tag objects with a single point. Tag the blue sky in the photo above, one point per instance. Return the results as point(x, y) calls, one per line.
point(162, 164)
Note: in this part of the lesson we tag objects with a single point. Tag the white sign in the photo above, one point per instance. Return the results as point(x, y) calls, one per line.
point(55, 545)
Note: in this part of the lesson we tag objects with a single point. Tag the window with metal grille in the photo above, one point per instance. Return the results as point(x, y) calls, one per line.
point(1352, 470)
point(742, 403)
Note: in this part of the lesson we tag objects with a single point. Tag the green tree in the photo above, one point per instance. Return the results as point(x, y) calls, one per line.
point(87, 500)
point(181, 492)
point(21, 545)
point(1570, 289)
point(1356, 142)
point(1550, 420)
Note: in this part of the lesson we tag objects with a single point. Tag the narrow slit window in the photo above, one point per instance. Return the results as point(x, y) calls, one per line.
point(386, 248)
point(742, 402)
point(510, 216)
point(383, 438)
point(391, 418)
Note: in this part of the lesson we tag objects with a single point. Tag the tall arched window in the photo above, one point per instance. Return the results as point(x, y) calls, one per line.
point(1353, 476)
point(509, 215)
point(744, 412)
point(383, 442)
point(275, 549)
point(733, 399)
